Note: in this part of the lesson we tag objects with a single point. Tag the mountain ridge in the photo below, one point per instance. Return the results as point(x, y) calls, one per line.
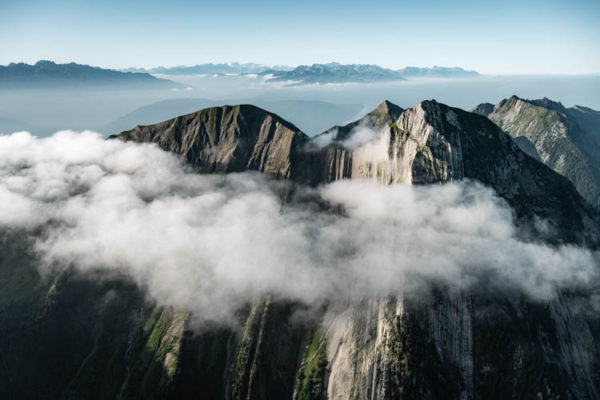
point(331, 162)
point(359, 73)
point(332, 72)
point(566, 139)
point(215, 139)
point(47, 74)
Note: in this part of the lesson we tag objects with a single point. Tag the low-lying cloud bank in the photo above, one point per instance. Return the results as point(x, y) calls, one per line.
point(210, 243)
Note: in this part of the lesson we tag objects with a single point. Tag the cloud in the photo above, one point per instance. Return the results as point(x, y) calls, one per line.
point(358, 136)
point(210, 243)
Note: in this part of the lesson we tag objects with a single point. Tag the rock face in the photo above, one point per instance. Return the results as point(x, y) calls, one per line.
point(566, 139)
point(446, 344)
point(227, 139)
point(384, 114)
point(375, 347)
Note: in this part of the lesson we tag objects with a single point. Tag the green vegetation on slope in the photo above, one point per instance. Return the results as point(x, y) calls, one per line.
point(311, 380)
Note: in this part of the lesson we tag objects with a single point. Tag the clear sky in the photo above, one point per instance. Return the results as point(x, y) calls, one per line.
point(496, 37)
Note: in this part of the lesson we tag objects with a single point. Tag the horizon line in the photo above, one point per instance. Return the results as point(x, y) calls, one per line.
point(147, 69)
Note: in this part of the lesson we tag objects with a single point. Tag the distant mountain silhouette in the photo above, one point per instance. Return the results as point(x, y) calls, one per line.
point(47, 74)
point(360, 73)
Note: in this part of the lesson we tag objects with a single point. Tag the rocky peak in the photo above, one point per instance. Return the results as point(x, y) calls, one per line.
point(564, 138)
point(432, 142)
point(387, 108)
point(226, 139)
point(385, 113)
point(549, 104)
point(484, 109)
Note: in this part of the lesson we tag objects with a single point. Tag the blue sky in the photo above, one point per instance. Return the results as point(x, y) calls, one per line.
point(496, 37)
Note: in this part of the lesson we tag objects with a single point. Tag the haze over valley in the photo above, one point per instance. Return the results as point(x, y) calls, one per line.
point(43, 105)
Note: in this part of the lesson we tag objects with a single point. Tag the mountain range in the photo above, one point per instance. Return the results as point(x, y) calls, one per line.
point(72, 337)
point(47, 74)
point(315, 73)
point(360, 73)
point(213, 68)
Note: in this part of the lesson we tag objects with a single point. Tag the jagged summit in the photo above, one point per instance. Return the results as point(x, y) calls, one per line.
point(433, 142)
point(385, 113)
point(388, 108)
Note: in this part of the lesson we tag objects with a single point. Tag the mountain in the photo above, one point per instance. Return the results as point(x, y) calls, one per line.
point(384, 114)
point(335, 73)
point(436, 143)
point(315, 73)
point(221, 69)
point(47, 74)
point(239, 138)
point(311, 116)
point(72, 337)
point(358, 73)
point(566, 139)
point(437, 72)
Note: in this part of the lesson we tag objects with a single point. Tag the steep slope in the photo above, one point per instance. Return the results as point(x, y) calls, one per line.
point(385, 113)
point(327, 156)
point(103, 339)
point(72, 336)
point(445, 344)
point(436, 143)
point(566, 139)
point(227, 139)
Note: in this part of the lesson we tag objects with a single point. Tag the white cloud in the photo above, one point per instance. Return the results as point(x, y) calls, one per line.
point(210, 243)
point(358, 136)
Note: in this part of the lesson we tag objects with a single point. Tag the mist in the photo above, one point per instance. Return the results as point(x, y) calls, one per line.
point(211, 243)
point(312, 108)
